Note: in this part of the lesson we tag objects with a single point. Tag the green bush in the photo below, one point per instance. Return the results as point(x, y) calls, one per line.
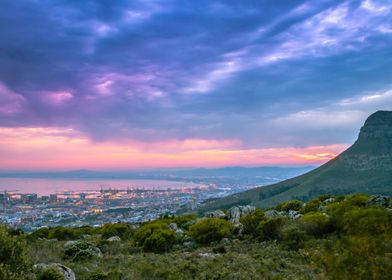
point(154, 236)
point(359, 257)
point(98, 275)
point(210, 230)
point(124, 231)
point(14, 262)
point(62, 233)
point(159, 241)
point(317, 223)
point(295, 205)
point(81, 251)
point(270, 229)
point(293, 235)
point(50, 274)
point(181, 221)
point(370, 222)
point(252, 221)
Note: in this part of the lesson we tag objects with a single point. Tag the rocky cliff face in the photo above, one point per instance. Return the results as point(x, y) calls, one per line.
point(373, 149)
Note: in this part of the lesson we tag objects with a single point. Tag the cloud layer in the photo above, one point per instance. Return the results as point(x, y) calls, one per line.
point(247, 75)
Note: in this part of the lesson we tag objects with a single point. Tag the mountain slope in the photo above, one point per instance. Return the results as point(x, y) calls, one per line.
point(364, 167)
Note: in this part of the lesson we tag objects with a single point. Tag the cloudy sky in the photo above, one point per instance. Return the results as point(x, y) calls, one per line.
point(152, 84)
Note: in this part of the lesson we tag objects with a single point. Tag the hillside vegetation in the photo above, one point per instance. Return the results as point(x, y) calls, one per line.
point(364, 167)
point(330, 237)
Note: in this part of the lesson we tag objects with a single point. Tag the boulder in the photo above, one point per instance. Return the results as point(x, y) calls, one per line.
point(65, 271)
point(190, 244)
point(179, 233)
point(216, 214)
point(208, 255)
point(172, 226)
point(70, 243)
point(378, 200)
point(235, 213)
point(329, 200)
point(114, 239)
point(272, 213)
point(292, 214)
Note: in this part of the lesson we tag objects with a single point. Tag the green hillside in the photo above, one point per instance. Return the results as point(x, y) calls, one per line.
point(364, 167)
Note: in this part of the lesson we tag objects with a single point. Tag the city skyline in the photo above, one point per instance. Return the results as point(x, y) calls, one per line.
point(142, 85)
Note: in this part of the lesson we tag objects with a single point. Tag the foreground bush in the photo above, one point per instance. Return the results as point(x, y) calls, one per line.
point(14, 263)
point(210, 230)
point(50, 274)
point(295, 205)
point(155, 237)
point(317, 223)
point(124, 231)
point(270, 229)
point(252, 221)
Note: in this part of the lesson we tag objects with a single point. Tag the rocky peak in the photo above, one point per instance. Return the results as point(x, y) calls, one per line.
point(377, 125)
point(373, 149)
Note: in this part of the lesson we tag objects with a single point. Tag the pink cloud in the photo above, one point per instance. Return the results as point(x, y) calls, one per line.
point(65, 148)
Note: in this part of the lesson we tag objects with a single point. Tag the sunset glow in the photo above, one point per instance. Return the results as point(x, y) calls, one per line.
point(59, 149)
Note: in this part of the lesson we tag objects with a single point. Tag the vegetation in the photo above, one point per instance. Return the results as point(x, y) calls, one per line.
point(210, 230)
point(337, 237)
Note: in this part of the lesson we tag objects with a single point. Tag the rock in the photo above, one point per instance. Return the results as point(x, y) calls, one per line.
point(322, 208)
point(70, 243)
point(235, 213)
point(238, 228)
point(292, 214)
point(216, 214)
point(172, 226)
point(66, 271)
point(188, 224)
point(114, 239)
point(208, 255)
point(329, 200)
point(86, 236)
point(189, 244)
point(225, 241)
point(271, 213)
point(378, 200)
point(179, 233)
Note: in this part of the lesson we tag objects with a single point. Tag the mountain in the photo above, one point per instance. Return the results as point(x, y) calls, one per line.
point(364, 167)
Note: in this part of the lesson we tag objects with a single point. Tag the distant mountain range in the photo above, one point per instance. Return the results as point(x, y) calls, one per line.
point(365, 167)
point(274, 173)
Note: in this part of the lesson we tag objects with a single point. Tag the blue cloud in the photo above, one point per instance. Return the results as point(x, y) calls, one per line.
point(152, 70)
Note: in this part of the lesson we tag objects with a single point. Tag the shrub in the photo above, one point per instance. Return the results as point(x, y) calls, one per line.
point(159, 241)
point(270, 229)
point(124, 231)
point(40, 233)
point(62, 233)
point(210, 230)
point(359, 257)
point(295, 205)
point(317, 223)
point(182, 220)
point(155, 237)
point(14, 262)
point(371, 222)
point(50, 274)
point(293, 236)
point(98, 275)
point(81, 251)
point(251, 221)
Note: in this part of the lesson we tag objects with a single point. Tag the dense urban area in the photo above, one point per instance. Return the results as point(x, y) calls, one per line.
point(29, 211)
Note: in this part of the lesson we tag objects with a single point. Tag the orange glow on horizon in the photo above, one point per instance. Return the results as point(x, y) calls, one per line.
point(65, 148)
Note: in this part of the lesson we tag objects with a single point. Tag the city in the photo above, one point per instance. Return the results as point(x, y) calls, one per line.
point(29, 211)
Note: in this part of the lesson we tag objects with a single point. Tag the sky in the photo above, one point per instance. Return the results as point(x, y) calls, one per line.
point(169, 84)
